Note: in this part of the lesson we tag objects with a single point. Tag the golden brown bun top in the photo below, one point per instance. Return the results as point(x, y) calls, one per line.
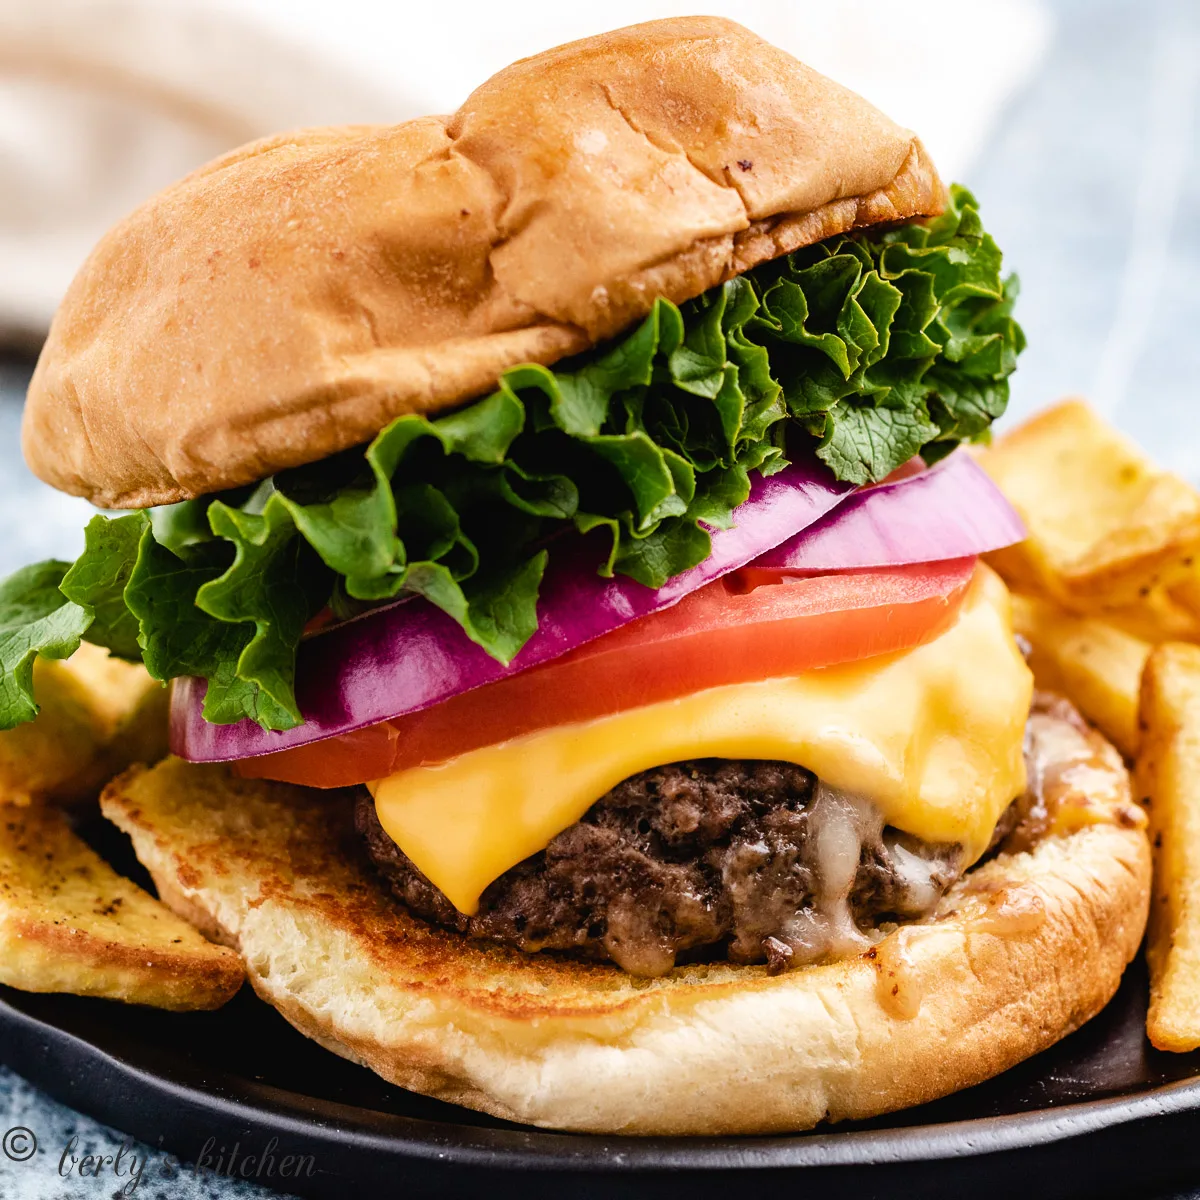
point(290, 299)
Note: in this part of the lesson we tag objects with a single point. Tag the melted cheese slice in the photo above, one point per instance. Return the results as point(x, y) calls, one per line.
point(933, 736)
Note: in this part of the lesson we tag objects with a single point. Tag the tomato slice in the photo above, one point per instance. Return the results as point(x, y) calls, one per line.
point(737, 629)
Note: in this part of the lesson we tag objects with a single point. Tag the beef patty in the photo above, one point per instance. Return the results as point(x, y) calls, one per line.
point(750, 861)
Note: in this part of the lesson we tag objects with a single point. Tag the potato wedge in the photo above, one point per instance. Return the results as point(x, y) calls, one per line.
point(70, 923)
point(1157, 617)
point(1106, 525)
point(1095, 665)
point(1168, 776)
point(98, 715)
point(1186, 594)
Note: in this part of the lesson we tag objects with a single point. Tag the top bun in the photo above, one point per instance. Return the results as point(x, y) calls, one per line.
point(290, 299)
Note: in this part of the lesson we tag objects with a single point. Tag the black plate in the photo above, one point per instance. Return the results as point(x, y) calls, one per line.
point(1100, 1114)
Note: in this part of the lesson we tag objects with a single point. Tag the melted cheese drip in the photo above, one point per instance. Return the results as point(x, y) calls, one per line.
point(932, 736)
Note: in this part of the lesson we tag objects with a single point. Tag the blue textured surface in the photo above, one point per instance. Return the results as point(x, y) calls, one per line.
point(1091, 185)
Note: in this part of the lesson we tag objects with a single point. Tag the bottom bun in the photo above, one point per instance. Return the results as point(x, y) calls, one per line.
point(1024, 949)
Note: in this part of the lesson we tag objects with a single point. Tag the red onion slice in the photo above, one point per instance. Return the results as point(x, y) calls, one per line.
point(952, 510)
point(410, 656)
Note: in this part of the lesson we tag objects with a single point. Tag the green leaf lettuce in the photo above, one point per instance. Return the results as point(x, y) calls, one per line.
point(863, 349)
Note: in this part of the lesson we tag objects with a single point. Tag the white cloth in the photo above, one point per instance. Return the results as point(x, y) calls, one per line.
point(104, 101)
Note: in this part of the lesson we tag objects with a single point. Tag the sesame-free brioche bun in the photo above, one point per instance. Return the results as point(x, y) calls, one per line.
point(290, 299)
point(1023, 950)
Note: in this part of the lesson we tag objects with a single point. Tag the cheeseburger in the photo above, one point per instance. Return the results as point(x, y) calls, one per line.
point(588, 702)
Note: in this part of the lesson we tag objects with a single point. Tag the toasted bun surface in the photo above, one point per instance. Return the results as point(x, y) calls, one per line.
point(290, 299)
point(276, 871)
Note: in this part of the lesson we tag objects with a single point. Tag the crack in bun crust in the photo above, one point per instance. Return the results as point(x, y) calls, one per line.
point(290, 299)
point(276, 871)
